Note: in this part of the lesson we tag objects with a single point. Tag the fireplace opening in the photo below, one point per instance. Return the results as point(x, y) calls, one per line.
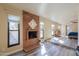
point(32, 34)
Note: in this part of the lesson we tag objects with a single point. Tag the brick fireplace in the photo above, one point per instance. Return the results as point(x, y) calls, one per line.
point(30, 31)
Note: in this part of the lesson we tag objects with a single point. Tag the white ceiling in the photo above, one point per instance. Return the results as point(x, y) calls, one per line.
point(57, 12)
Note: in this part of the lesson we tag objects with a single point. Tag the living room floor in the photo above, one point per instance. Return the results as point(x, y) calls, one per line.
point(53, 48)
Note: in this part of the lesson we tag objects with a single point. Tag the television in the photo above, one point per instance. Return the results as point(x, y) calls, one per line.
point(32, 34)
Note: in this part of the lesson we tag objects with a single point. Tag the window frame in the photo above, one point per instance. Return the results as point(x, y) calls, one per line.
point(13, 30)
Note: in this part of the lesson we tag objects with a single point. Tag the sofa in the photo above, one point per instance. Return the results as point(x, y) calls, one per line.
point(73, 35)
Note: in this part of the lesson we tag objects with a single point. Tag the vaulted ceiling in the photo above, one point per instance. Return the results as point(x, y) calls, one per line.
point(61, 13)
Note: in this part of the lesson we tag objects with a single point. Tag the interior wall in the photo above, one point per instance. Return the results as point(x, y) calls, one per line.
point(78, 28)
point(74, 27)
point(47, 33)
point(0, 30)
point(47, 27)
point(4, 11)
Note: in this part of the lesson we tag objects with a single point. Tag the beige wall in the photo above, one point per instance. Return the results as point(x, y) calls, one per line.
point(47, 27)
point(47, 33)
point(4, 10)
point(74, 27)
point(0, 30)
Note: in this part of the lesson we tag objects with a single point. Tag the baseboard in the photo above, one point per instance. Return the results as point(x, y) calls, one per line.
point(9, 53)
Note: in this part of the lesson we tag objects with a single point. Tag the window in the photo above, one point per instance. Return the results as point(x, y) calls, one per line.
point(13, 30)
point(52, 27)
point(41, 30)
